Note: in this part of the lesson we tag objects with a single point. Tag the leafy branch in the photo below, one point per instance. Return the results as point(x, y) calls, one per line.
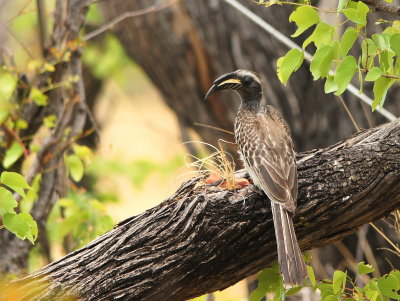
point(378, 62)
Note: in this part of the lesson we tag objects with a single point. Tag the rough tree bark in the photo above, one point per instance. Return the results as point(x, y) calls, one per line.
point(68, 104)
point(205, 238)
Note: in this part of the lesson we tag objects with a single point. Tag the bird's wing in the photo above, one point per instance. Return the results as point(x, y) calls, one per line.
point(270, 156)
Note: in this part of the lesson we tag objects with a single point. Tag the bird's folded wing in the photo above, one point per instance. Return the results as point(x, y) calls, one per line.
point(269, 153)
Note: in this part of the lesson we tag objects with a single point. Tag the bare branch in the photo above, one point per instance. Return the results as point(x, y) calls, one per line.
point(128, 14)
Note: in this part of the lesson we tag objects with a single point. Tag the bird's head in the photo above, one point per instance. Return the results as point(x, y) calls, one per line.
point(246, 83)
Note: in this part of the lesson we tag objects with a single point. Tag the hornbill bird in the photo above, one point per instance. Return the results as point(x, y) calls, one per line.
point(266, 148)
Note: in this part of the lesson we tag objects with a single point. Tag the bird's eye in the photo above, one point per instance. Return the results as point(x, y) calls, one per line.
point(246, 81)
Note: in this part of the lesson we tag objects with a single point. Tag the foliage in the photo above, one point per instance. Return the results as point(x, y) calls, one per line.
point(20, 223)
point(340, 287)
point(379, 60)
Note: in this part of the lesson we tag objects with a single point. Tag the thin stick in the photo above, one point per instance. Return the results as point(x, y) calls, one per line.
point(128, 14)
point(349, 113)
point(212, 127)
point(385, 237)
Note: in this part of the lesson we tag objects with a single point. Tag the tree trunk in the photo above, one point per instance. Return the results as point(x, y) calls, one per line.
point(68, 104)
point(205, 238)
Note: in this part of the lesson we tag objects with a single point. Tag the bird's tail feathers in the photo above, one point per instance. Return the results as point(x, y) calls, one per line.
point(293, 267)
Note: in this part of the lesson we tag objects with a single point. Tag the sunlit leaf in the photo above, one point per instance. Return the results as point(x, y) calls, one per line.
point(293, 290)
point(15, 181)
point(22, 225)
point(330, 85)
point(389, 286)
point(304, 17)
point(339, 281)
point(289, 63)
point(12, 154)
point(321, 62)
point(322, 35)
point(368, 52)
point(348, 39)
point(380, 89)
point(373, 74)
point(8, 83)
point(345, 73)
point(75, 167)
point(364, 268)
point(311, 275)
point(395, 43)
point(38, 97)
point(7, 201)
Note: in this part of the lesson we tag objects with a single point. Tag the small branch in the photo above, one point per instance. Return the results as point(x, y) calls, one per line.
point(122, 17)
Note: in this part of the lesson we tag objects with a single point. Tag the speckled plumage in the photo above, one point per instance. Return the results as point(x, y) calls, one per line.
point(266, 148)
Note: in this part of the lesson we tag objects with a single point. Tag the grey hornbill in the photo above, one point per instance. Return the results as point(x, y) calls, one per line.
point(266, 148)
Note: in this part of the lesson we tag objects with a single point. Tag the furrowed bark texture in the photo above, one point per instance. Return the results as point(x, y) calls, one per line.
point(204, 238)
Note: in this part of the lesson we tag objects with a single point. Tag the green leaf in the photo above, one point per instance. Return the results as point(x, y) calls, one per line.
point(15, 181)
point(321, 62)
point(389, 286)
point(373, 74)
point(325, 288)
point(348, 39)
point(8, 83)
point(368, 53)
point(304, 17)
point(339, 281)
point(380, 89)
point(27, 202)
point(386, 60)
point(364, 268)
point(342, 3)
point(22, 225)
point(322, 35)
point(330, 298)
point(7, 201)
point(345, 73)
point(395, 43)
point(50, 121)
point(289, 63)
point(268, 281)
point(371, 290)
point(12, 154)
point(75, 167)
point(330, 85)
point(311, 275)
point(21, 124)
point(293, 290)
point(359, 15)
point(381, 40)
point(38, 97)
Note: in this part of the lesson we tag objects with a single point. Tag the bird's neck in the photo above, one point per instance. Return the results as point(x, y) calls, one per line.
point(252, 105)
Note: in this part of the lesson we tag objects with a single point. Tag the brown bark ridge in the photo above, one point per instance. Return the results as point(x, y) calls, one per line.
point(68, 104)
point(205, 238)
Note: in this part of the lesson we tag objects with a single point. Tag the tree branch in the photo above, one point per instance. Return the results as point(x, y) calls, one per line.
point(384, 6)
point(205, 238)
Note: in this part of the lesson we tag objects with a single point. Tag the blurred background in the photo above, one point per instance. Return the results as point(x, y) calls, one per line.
point(145, 79)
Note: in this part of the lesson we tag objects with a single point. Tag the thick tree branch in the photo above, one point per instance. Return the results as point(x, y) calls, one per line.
point(384, 6)
point(205, 238)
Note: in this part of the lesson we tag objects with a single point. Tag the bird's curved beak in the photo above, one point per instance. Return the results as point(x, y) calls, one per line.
point(226, 81)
